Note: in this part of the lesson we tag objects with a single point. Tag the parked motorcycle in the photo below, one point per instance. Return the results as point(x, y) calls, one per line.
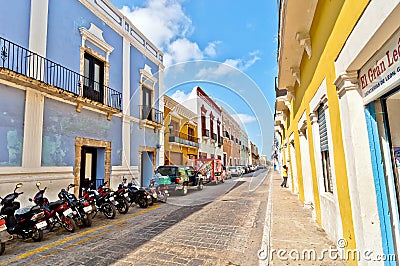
point(100, 202)
point(121, 203)
point(56, 213)
point(81, 208)
point(136, 194)
point(158, 191)
point(28, 222)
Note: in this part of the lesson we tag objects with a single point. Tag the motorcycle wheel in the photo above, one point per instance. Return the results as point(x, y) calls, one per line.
point(87, 221)
point(143, 203)
point(37, 235)
point(123, 205)
point(69, 224)
point(163, 197)
point(108, 210)
point(2, 248)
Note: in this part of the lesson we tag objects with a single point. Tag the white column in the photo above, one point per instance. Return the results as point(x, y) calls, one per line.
point(126, 76)
point(126, 124)
point(358, 164)
point(38, 26)
point(34, 102)
point(33, 129)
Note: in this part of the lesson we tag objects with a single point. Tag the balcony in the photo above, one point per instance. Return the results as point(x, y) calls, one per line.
point(220, 141)
point(151, 116)
point(214, 137)
point(184, 139)
point(205, 133)
point(19, 63)
point(226, 134)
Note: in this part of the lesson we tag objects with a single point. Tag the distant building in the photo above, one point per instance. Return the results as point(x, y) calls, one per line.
point(209, 124)
point(181, 143)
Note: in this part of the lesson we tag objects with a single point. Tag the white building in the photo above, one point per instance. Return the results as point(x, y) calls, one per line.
point(209, 124)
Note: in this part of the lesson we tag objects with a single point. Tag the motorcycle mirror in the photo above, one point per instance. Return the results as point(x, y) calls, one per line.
point(37, 184)
point(30, 199)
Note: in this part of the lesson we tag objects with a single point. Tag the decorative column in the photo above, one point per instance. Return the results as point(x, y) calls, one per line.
point(358, 163)
point(126, 108)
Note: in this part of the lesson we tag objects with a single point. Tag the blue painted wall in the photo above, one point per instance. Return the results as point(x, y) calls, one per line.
point(12, 110)
point(138, 60)
point(62, 124)
point(15, 21)
point(380, 182)
point(141, 137)
point(64, 39)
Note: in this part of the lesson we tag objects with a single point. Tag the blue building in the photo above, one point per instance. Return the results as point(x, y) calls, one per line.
point(80, 91)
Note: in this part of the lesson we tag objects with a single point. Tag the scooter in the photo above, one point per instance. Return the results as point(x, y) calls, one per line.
point(28, 222)
point(56, 213)
point(158, 192)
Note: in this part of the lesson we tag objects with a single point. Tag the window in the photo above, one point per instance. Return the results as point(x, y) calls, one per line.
point(93, 88)
point(323, 134)
point(146, 104)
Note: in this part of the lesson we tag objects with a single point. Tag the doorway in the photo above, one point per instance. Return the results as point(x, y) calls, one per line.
point(92, 170)
point(92, 163)
point(147, 165)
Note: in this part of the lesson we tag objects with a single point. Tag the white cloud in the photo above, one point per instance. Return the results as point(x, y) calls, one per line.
point(244, 118)
point(166, 25)
point(229, 66)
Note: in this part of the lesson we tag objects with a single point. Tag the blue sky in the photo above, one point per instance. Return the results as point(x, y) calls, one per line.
point(236, 43)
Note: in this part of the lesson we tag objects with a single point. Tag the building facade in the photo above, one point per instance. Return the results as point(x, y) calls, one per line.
point(209, 121)
point(181, 144)
point(337, 118)
point(232, 135)
point(80, 96)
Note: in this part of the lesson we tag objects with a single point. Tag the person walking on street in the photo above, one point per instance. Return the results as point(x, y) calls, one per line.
point(285, 176)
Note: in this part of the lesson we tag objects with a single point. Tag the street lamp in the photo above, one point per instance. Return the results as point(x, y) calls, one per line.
point(171, 128)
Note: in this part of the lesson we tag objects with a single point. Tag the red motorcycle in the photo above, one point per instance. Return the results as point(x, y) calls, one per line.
point(100, 202)
point(56, 213)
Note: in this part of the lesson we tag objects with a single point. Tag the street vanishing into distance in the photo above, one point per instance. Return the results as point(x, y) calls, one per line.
point(221, 225)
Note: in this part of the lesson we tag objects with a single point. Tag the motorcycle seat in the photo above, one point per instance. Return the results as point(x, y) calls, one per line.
point(23, 212)
point(53, 205)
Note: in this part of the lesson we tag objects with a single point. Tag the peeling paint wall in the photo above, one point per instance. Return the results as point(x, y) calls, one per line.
point(61, 124)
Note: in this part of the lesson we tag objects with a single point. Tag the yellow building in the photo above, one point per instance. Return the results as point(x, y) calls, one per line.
point(181, 143)
point(336, 119)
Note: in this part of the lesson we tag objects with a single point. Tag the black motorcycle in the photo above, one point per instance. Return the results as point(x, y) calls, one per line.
point(81, 208)
point(120, 201)
point(28, 222)
point(136, 194)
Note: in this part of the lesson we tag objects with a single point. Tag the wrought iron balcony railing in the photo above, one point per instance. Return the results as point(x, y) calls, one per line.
point(22, 61)
point(214, 136)
point(182, 138)
point(151, 114)
point(205, 132)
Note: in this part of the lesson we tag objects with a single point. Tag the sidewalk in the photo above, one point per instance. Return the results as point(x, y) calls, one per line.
point(295, 232)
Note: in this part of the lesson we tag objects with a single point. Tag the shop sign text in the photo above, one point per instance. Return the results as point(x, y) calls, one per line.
point(383, 69)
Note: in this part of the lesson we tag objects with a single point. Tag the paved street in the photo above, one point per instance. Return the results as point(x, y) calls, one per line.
point(221, 225)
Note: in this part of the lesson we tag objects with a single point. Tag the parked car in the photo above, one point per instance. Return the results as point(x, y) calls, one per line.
point(182, 177)
point(235, 171)
point(242, 169)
